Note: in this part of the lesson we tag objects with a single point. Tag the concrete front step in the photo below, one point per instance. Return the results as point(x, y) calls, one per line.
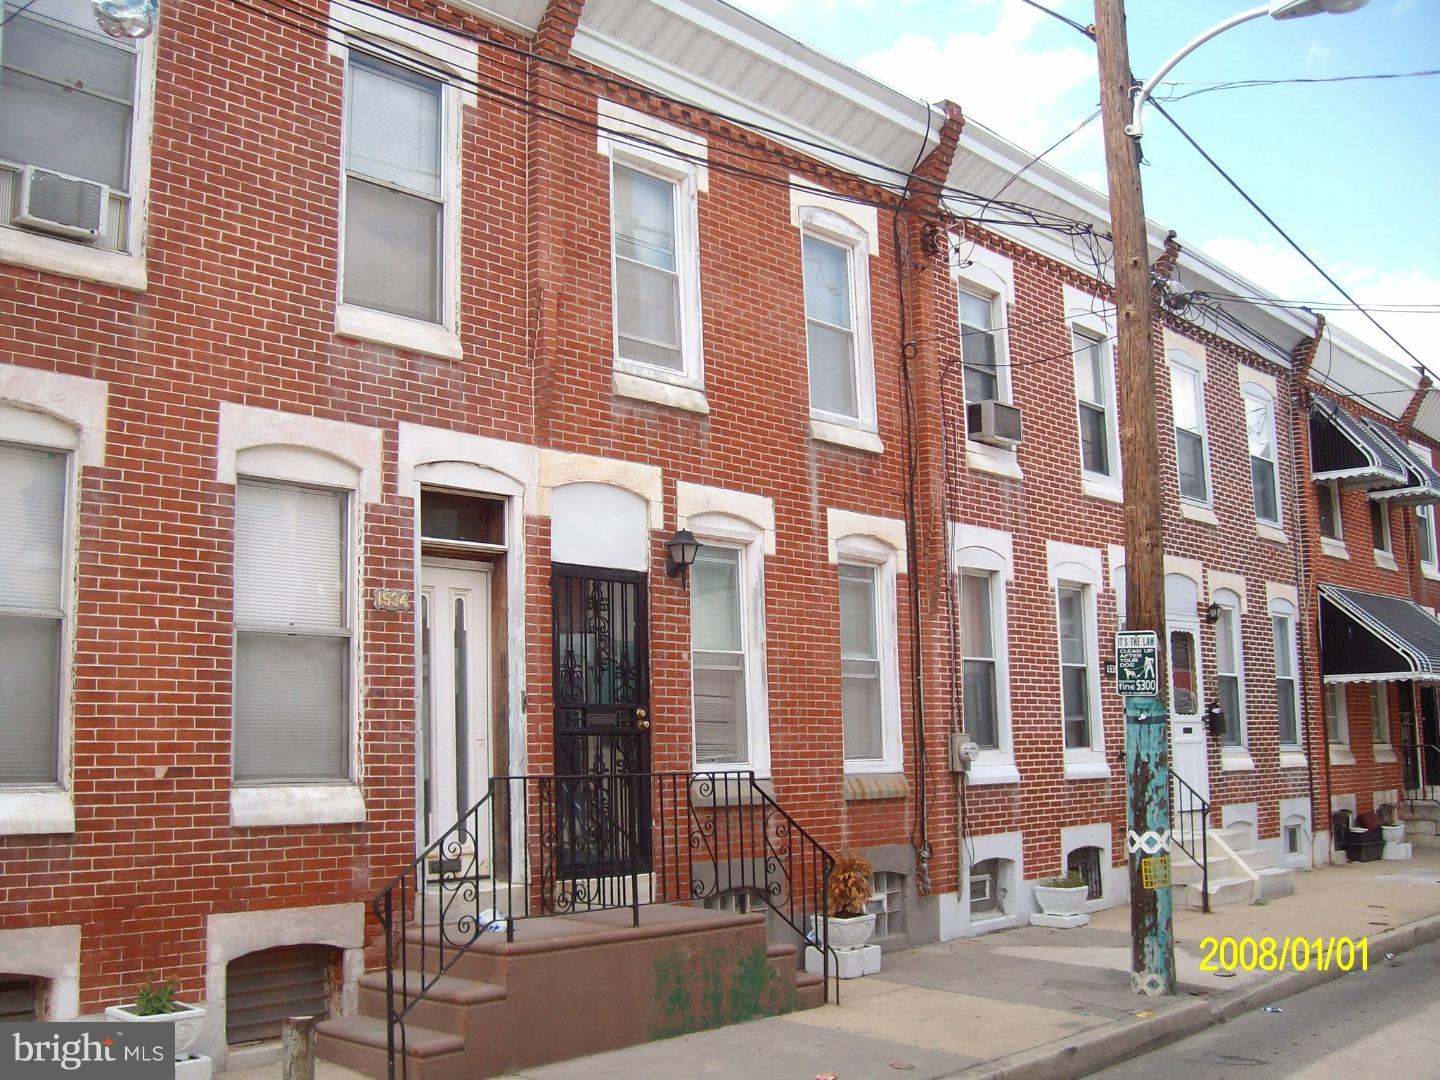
point(1275, 881)
point(1223, 891)
point(1186, 871)
point(1420, 810)
point(1421, 840)
point(573, 986)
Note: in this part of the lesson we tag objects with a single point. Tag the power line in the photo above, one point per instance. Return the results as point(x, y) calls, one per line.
point(18, 11)
point(1284, 235)
point(1087, 31)
point(1245, 84)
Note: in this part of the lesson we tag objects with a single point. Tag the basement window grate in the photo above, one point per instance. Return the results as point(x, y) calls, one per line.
point(263, 988)
point(19, 999)
point(1086, 862)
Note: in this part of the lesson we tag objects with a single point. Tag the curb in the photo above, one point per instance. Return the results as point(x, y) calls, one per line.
point(1073, 1058)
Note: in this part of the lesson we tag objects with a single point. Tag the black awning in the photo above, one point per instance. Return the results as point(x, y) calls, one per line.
point(1366, 637)
point(1421, 483)
point(1346, 448)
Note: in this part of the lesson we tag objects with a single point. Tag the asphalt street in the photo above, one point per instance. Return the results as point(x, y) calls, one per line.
point(1383, 1022)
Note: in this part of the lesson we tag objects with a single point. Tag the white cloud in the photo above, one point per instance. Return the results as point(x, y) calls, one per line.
point(1317, 56)
point(1029, 94)
point(1283, 273)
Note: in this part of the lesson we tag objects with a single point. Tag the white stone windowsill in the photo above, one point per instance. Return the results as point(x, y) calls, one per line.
point(1340, 754)
point(1385, 561)
point(1106, 490)
point(993, 459)
point(1203, 514)
point(992, 770)
point(1087, 765)
point(1236, 759)
point(844, 435)
point(385, 329)
point(660, 392)
point(1429, 571)
point(265, 805)
point(72, 259)
point(1334, 548)
point(36, 812)
point(1269, 532)
point(1292, 759)
point(1384, 754)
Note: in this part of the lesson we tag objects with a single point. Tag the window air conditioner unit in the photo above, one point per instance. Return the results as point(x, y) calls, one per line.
point(63, 205)
point(993, 422)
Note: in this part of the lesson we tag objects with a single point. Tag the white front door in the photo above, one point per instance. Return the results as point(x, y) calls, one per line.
point(454, 697)
point(1187, 721)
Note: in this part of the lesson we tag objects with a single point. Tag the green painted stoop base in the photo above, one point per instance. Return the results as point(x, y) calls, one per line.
point(577, 985)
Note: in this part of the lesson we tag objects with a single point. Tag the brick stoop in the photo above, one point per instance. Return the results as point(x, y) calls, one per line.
point(569, 986)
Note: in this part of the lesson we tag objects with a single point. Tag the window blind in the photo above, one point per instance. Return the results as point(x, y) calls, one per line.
point(29, 700)
point(977, 645)
point(717, 637)
point(393, 126)
point(289, 558)
point(32, 529)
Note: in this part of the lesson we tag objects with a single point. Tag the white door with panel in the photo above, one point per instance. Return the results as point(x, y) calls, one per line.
point(454, 678)
point(1187, 721)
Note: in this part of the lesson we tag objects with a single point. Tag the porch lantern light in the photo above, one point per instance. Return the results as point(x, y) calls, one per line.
point(1212, 613)
point(680, 552)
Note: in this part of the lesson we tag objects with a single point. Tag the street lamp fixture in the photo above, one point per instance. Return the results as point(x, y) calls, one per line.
point(1276, 9)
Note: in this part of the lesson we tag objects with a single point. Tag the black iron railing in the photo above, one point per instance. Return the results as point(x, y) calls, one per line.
point(1421, 769)
point(1189, 815)
point(556, 845)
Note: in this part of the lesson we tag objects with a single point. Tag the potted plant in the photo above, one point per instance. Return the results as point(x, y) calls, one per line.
point(155, 1004)
point(1063, 895)
point(850, 923)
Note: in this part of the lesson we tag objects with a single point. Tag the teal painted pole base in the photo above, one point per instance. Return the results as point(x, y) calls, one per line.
point(1147, 769)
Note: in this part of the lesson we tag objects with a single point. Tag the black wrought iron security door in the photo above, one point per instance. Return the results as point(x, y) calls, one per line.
point(602, 723)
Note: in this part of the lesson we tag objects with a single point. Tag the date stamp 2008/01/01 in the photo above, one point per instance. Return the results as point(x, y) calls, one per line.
point(1284, 954)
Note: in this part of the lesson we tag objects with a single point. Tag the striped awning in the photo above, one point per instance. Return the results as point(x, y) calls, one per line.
point(1345, 448)
point(1421, 483)
point(1369, 637)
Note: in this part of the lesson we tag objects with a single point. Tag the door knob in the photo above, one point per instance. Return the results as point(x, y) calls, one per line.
point(641, 713)
point(642, 724)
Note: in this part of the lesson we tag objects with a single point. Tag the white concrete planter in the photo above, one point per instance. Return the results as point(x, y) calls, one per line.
point(186, 1018)
point(1061, 901)
point(1393, 834)
point(848, 933)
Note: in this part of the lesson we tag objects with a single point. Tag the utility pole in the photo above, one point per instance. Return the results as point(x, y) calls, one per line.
point(1147, 728)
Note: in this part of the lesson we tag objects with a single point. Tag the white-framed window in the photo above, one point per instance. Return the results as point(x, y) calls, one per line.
point(294, 654)
point(1287, 701)
point(1380, 527)
point(1337, 720)
point(1292, 835)
point(982, 632)
point(77, 103)
point(869, 662)
point(34, 603)
point(399, 280)
point(1425, 539)
point(1079, 678)
point(987, 888)
point(654, 220)
point(727, 617)
point(1380, 713)
point(1327, 505)
point(1192, 453)
point(982, 345)
point(835, 254)
point(1229, 668)
point(1095, 407)
point(1264, 458)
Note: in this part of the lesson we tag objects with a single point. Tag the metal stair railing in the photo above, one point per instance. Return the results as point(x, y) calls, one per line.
point(1189, 815)
point(562, 845)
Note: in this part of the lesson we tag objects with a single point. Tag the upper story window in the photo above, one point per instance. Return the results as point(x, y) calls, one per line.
point(395, 190)
point(73, 148)
point(1380, 713)
point(293, 649)
point(980, 346)
point(1425, 538)
point(33, 485)
point(1327, 503)
point(1095, 402)
point(1380, 527)
point(1192, 455)
point(837, 319)
point(1287, 705)
point(1264, 461)
point(657, 298)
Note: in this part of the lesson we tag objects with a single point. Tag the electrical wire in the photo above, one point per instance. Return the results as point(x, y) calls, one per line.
point(1284, 235)
point(1086, 30)
point(1245, 84)
point(17, 12)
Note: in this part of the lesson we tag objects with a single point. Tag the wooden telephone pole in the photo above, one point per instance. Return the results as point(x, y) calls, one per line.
point(1147, 728)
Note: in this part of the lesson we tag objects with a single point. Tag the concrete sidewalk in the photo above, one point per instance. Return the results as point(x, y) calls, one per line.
point(1032, 1002)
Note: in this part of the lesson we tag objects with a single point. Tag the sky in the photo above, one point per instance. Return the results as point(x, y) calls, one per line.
point(1351, 170)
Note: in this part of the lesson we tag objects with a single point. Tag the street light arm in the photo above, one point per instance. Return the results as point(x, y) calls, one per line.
point(1134, 129)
